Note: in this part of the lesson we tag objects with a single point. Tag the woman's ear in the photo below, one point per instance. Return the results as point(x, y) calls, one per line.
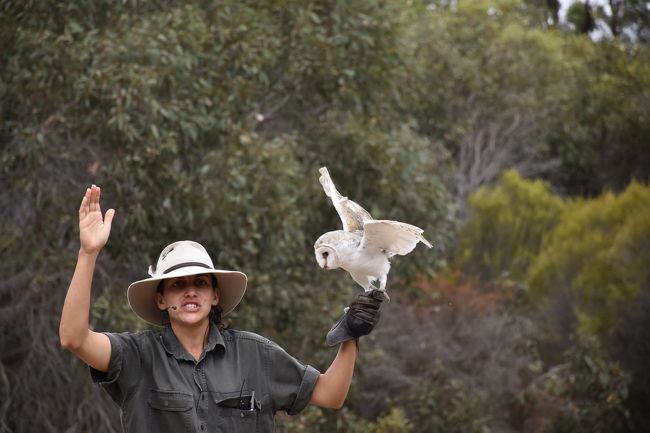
point(160, 301)
point(217, 296)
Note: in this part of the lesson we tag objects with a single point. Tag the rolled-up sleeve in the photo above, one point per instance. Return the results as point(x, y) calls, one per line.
point(291, 382)
point(123, 367)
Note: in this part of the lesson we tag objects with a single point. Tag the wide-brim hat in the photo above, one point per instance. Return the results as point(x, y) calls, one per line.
point(182, 259)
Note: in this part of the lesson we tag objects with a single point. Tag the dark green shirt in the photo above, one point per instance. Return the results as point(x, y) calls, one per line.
point(237, 385)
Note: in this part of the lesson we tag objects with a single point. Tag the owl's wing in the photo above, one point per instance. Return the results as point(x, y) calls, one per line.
point(393, 237)
point(352, 215)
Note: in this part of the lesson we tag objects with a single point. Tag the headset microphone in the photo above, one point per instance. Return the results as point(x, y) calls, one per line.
point(173, 307)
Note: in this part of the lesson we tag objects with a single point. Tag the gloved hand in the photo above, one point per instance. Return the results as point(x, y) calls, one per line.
point(359, 319)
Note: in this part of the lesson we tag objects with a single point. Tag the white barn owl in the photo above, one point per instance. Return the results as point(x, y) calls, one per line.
point(364, 245)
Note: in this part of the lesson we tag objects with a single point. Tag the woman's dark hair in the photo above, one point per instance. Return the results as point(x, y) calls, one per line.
point(215, 313)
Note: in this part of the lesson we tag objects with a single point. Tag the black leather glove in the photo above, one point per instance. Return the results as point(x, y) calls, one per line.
point(360, 318)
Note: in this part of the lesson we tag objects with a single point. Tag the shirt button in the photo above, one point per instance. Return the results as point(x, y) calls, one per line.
point(241, 414)
point(202, 427)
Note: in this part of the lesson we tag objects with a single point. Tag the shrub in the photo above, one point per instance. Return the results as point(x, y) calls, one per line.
point(598, 254)
point(584, 394)
point(507, 226)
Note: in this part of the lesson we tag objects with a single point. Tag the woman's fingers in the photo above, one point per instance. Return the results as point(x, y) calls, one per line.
point(83, 208)
point(99, 193)
point(94, 198)
point(108, 220)
point(90, 201)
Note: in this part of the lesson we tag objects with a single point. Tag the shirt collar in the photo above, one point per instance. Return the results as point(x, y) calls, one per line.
point(215, 339)
point(175, 348)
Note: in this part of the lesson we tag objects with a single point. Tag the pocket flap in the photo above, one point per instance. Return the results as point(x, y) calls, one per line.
point(170, 400)
point(237, 400)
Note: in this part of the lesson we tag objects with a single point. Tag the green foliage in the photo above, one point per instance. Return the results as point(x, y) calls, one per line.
point(483, 57)
point(600, 146)
point(486, 59)
point(584, 394)
point(598, 254)
point(507, 226)
point(581, 17)
point(313, 420)
point(449, 409)
point(628, 21)
point(394, 422)
point(429, 408)
point(596, 387)
point(627, 344)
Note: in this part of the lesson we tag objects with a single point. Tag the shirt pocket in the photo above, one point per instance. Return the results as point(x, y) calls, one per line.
point(233, 413)
point(170, 411)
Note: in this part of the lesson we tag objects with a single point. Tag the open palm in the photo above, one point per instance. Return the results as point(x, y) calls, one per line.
point(94, 228)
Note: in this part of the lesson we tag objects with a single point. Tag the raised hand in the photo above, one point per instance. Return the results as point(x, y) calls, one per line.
point(94, 228)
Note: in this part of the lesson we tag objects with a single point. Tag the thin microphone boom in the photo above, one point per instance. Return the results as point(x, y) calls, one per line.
point(173, 307)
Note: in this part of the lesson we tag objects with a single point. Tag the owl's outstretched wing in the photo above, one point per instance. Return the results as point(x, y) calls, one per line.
point(393, 237)
point(352, 215)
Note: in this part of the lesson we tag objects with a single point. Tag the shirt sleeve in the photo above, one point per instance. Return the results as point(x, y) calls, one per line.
point(123, 367)
point(291, 382)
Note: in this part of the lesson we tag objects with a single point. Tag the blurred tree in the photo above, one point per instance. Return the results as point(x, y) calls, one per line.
point(586, 260)
point(581, 17)
point(628, 19)
point(495, 86)
point(546, 11)
point(586, 393)
point(629, 345)
point(507, 226)
point(315, 420)
point(449, 364)
point(598, 254)
point(503, 92)
point(601, 148)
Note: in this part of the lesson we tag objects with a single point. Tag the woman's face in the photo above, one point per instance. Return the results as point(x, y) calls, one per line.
point(193, 296)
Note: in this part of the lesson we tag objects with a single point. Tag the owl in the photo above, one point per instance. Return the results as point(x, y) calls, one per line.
point(365, 245)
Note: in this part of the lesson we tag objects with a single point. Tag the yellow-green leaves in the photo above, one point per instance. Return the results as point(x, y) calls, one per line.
point(592, 251)
point(507, 226)
point(599, 253)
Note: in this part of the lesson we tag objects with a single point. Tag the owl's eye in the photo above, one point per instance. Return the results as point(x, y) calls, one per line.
point(325, 254)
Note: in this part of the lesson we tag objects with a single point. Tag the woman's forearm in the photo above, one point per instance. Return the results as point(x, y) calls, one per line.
point(332, 386)
point(73, 328)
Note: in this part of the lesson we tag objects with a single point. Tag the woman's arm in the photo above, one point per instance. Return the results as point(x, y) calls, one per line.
point(359, 319)
point(92, 347)
point(332, 387)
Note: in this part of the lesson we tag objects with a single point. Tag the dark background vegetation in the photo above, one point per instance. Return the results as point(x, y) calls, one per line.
point(518, 141)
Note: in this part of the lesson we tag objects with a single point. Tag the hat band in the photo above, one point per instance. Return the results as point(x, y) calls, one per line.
point(185, 265)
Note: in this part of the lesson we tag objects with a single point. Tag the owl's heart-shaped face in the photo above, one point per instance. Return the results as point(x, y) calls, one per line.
point(327, 257)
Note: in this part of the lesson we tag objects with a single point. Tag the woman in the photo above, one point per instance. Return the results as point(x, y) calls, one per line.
point(195, 375)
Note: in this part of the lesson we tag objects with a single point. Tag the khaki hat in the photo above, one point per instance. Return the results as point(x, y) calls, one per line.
point(181, 259)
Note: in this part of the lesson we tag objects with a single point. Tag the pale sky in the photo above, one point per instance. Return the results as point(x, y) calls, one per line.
point(601, 29)
point(566, 3)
